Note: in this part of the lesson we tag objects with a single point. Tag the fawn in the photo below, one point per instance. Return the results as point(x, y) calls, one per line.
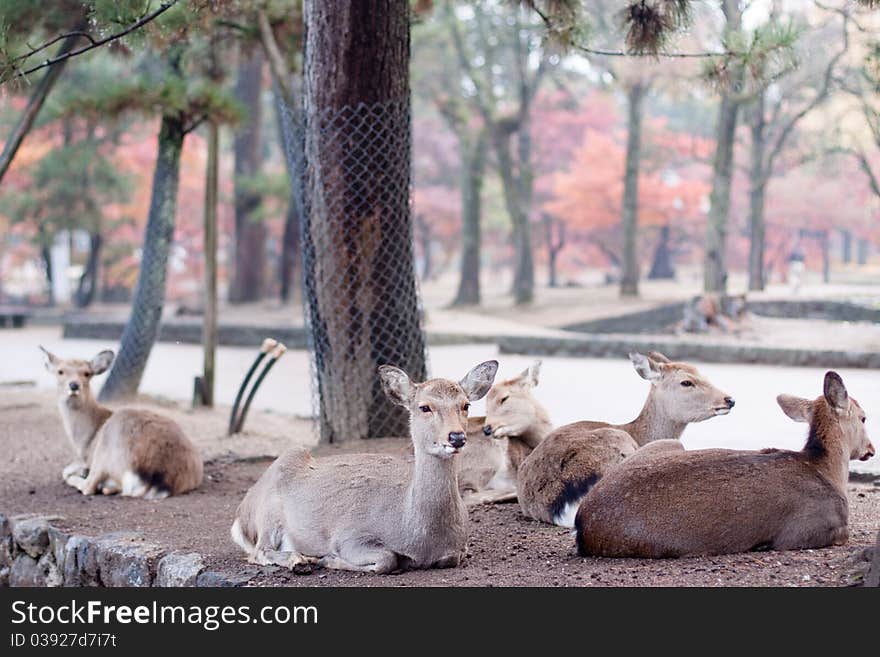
point(129, 451)
point(515, 423)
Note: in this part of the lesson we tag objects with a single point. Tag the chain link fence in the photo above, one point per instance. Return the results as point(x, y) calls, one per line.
point(362, 310)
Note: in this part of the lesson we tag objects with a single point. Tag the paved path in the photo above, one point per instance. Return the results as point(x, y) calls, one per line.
point(571, 388)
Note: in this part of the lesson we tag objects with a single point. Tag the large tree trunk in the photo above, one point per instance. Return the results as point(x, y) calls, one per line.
point(715, 267)
point(629, 282)
point(36, 101)
point(518, 210)
point(249, 270)
point(757, 196)
point(474, 161)
point(662, 267)
point(46, 255)
point(358, 257)
point(149, 297)
point(87, 287)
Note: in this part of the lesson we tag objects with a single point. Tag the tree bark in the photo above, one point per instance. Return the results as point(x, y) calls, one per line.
point(46, 255)
point(249, 271)
point(554, 246)
point(87, 287)
point(35, 103)
point(358, 255)
point(518, 210)
point(715, 266)
point(149, 297)
point(629, 282)
point(473, 172)
point(209, 322)
point(662, 267)
point(757, 195)
point(290, 241)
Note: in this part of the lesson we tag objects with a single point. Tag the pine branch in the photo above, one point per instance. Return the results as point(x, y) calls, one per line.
point(93, 43)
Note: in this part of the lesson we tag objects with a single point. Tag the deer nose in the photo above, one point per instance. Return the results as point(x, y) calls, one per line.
point(73, 385)
point(730, 401)
point(487, 430)
point(456, 439)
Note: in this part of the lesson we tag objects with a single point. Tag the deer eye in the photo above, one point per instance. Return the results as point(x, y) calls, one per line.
point(87, 374)
point(687, 384)
point(425, 409)
point(504, 400)
point(466, 407)
point(61, 372)
point(863, 420)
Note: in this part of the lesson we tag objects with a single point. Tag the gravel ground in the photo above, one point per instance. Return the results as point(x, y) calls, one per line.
point(505, 548)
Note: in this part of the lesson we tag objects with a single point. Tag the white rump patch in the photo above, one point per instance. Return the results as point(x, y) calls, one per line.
point(133, 485)
point(565, 518)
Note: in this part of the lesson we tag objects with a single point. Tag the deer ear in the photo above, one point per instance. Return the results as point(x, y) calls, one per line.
point(529, 376)
point(101, 362)
point(477, 382)
point(51, 359)
point(658, 357)
point(396, 384)
point(797, 408)
point(835, 391)
point(647, 368)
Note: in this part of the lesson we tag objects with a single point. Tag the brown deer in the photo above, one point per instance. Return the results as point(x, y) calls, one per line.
point(497, 444)
point(369, 512)
point(129, 451)
point(671, 503)
point(554, 478)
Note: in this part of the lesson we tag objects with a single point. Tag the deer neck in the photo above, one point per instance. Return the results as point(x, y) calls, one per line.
point(653, 423)
point(828, 452)
point(537, 431)
point(433, 496)
point(82, 417)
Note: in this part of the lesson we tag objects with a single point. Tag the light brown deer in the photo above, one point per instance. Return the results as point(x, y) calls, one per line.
point(672, 503)
point(497, 444)
point(368, 512)
point(555, 477)
point(128, 451)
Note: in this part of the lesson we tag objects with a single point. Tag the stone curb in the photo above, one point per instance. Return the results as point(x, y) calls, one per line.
point(35, 553)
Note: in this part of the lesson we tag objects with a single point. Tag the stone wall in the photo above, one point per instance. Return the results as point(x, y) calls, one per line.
point(602, 346)
point(33, 552)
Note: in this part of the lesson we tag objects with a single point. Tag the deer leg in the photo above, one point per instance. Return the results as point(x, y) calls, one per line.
point(77, 468)
point(86, 485)
point(490, 497)
point(361, 558)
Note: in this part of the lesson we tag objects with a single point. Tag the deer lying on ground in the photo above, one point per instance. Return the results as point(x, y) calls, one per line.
point(555, 477)
point(673, 503)
point(497, 444)
point(368, 512)
point(132, 452)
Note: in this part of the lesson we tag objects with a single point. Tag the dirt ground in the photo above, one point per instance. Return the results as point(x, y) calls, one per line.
point(505, 548)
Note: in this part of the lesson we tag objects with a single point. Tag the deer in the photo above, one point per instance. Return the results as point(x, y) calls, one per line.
point(132, 452)
point(675, 503)
point(370, 512)
point(514, 424)
point(560, 471)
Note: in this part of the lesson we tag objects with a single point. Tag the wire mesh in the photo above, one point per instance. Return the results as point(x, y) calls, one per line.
point(353, 192)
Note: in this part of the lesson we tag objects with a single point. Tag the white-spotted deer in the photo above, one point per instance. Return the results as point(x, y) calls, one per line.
point(497, 444)
point(673, 503)
point(561, 470)
point(369, 512)
point(128, 451)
